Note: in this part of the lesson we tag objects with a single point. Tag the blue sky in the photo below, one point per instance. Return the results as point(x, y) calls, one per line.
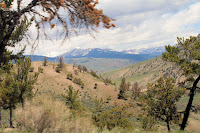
point(140, 24)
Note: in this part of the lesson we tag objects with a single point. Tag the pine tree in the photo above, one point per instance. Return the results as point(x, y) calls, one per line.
point(16, 84)
point(161, 100)
point(123, 88)
point(80, 68)
point(186, 55)
point(136, 90)
point(25, 79)
point(69, 76)
point(10, 94)
point(72, 98)
point(5, 70)
point(84, 69)
point(45, 61)
point(61, 62)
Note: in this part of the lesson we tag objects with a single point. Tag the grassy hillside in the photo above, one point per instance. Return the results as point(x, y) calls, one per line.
point(58, 82)
point(47, 111)
point(100, 64)
point(150, 71)
point(49, 107)
point(143, 72)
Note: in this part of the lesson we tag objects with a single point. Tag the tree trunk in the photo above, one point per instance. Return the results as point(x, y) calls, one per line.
point(189, 105)
point(22, 100)
point(11, 124)
point(22, 103)
point(0, 117)
point(168, 127)
point(5, 38)
point(2, 50)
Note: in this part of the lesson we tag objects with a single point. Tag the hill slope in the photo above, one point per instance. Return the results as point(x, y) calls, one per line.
point(58, 83)
point(100, 64)
point(143, 72)
point(51, 85)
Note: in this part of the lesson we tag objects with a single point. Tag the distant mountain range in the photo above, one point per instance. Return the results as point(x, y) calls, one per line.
point(135, 54)
point(103, 59)
point(152, 51)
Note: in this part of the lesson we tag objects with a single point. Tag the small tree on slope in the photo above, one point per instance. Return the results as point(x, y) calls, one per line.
point(161, 100)
point(25, 79)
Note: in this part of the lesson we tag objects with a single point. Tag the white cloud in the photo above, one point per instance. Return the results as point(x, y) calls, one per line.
point(119, 7)
point(140, 23)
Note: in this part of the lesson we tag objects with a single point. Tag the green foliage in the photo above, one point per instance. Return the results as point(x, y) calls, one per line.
point(31, 69)
point(108, 99)
point(136, 90)
point(80, 68)
point(20, 31)
point(116, 117)
point(26, 80)
point(99, 106)
point(185, 54)
point(8, 57)
point(61, 63)
point(9, 91)
point(161, 98)
point(76, 72)
point(107, 81)
point(72, 99)
point(6, 64)
point(40, 70)
point(9, 94)
point(123, 88)
point(82, 85)
point(69, 76)
point(78, 82)
point(148, 123)
point(45, 61)
point(16, 85)
point(84, 69)
point(94, 74)
point(95, 86)
point(58, 69)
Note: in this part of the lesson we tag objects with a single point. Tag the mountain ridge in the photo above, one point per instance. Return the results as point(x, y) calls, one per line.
point(141, 54)
point(102, 59)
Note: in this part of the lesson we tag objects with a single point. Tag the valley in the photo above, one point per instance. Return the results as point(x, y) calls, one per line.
point(103, 60)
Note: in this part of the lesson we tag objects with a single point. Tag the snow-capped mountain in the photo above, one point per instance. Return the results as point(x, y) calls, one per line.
point(77, 52)
point(105, 53)
point(152, 51)
point(91, 52)
point(109, 53)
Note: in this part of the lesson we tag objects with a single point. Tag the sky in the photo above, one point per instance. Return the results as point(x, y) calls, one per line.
point(139, 24)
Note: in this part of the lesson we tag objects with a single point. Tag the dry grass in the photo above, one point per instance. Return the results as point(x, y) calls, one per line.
point(45, 115)
point(57, 83)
